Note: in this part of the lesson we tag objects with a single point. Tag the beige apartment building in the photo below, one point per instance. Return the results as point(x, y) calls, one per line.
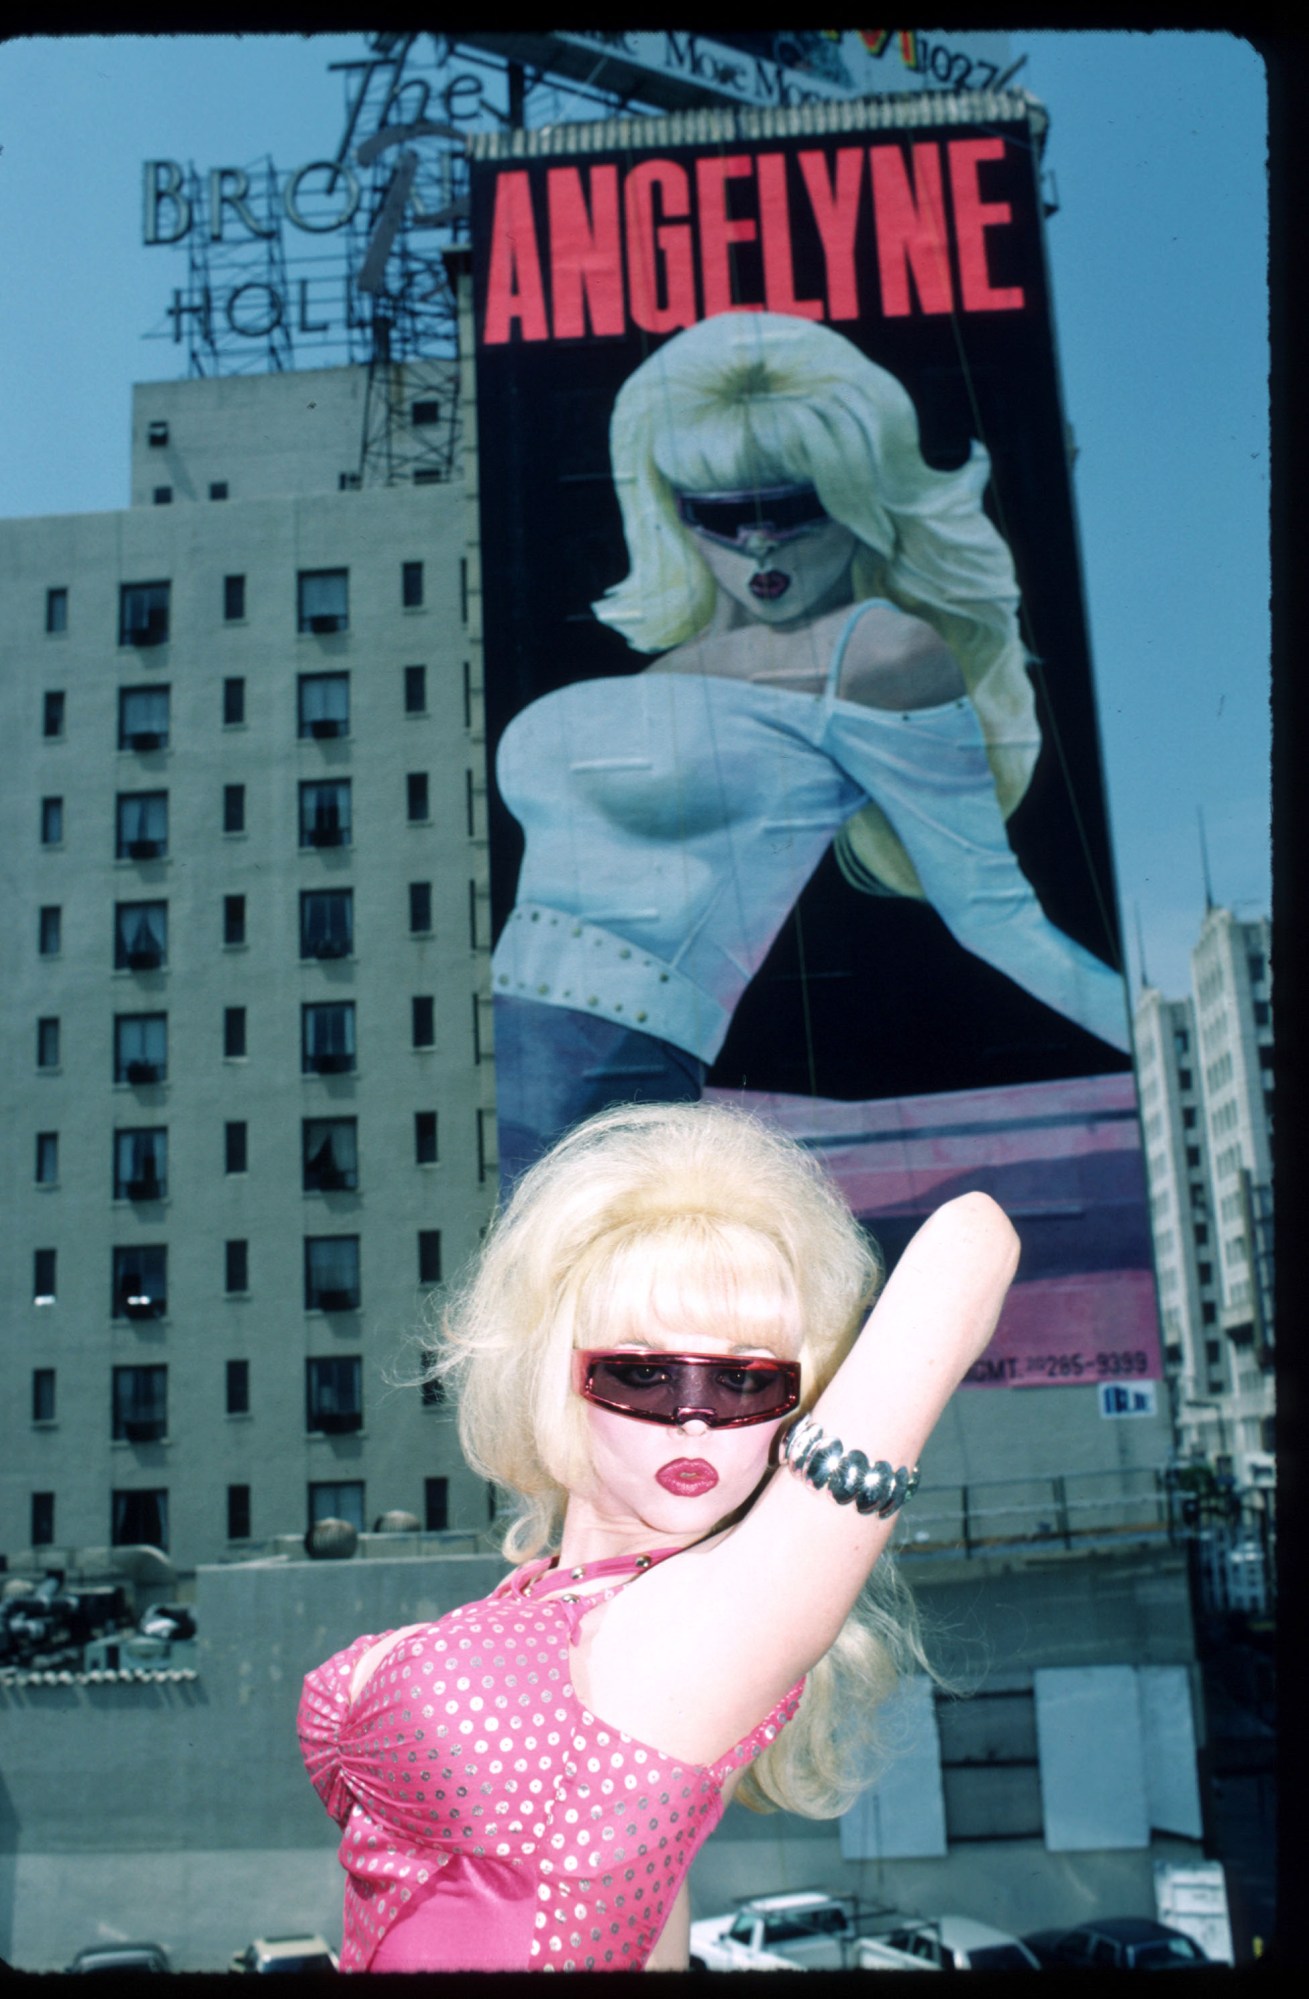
point(247, 1095)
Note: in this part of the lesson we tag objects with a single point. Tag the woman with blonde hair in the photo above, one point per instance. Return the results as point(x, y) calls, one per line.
point(837, 660)
point(659, 1353)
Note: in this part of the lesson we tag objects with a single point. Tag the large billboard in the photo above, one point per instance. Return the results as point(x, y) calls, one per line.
point(795, 784)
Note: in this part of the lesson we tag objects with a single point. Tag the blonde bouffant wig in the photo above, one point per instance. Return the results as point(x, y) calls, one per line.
point(692, 1218)
point(748, 400)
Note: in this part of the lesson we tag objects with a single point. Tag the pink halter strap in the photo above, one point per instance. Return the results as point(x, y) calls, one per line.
point(543, 1578)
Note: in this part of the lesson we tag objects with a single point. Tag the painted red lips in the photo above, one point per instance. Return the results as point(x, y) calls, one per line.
point(687, 1477)
point(769, 584)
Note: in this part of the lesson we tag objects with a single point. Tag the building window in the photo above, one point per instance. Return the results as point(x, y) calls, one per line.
point(325, 813)
point(143, 614)
point(429, 1256)
point(327, 925)
point(157, 433)
point(334, 1393)
point(234, 1032)
point(142, 825)
point(43, 1519)
point(1209, 1314)
point(327, 1045)
point(56, 610)
point(236, 1152)
point(163, 496)
point(423, 1010)
point(43, 1395)
point(990, 1773)
point(415, 690)
point(238, 1387)
point(140, 1281)
point(332, 1273)
point(45, 1288)
point(233, 702)
point(426, 411)
point(140, 1405)
point(1206, 1273)
point(142, 718)
point(337, 1501)
point(52, 714)
point(323, 705)
point(140, 1048)
point(49, 931)
point(236, 1266)
point(1263, 1013)
point(323, 600)
point(425, 1138)
point(47, 1158)
point(233, 808)
point(329, 1155)
point(432, 1391)
point(139, 1519)
point(411, 585)
point(234, 919)
point(416, 796)
point(140, 936)
point(238, 1513)
point(233, 598)
point(218, 489)
point(47, 1043)
point(141, 1164)
point(436, 1504)
point(1184, 1079)
point(420, 907)
point(52, 822)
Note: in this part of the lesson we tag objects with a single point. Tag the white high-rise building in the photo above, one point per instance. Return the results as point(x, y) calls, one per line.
point(1205, 1075)
point(248, 1126)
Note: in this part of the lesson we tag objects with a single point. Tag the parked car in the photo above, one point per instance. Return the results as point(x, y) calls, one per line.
point(944, 1943)
point(1119, 1943)
point(127, 1958)
point(304, 1953)
point(796, 1932)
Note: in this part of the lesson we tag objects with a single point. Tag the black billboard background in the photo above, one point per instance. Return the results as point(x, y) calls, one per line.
point(824, 1016)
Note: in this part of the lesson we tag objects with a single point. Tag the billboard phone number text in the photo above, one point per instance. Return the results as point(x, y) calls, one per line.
point(1072, 1366)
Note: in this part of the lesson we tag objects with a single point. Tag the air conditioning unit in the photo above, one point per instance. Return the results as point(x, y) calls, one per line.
point(329, 1180)
point(144, 850)
point(150, 1188)
point(331, 1065)
point(330, 947)
point(339, 1423)
point(143, 1429)
point(140, 1305)
point(144, 1072)
point(326, 833)
point(327, 727)
point(337, 1301)
point(144, 958)
point(145, 739)
point(327, 621)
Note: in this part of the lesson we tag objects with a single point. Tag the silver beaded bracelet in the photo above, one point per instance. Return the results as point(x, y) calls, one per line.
point(848, 1475)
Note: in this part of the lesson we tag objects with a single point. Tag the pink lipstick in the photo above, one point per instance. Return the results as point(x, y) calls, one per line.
point(687, 1477)
point(769, 584)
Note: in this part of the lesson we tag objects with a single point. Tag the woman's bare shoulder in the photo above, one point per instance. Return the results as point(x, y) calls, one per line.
point(894, 659)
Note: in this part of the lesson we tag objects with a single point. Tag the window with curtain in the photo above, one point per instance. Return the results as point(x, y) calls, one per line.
point(143, 614)
point(337, 1501)
point(323, 600)
point(142, 825)
point(140, 936)
point(139, 1519)
point(143, 718)
point(328, 1043)
point(325, 813)
point(327, 923)
point(330, 1155)
point(334, 1393)
point(140, 1047)
point(141, 1164)
point(140, 1406)
point(332, 1273)
point(324, 704)
point(140, 1281)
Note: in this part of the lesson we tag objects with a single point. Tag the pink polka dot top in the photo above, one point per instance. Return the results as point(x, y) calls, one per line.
point(490, 1821)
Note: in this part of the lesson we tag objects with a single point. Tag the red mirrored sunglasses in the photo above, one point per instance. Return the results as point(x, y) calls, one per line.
point(722, 1390)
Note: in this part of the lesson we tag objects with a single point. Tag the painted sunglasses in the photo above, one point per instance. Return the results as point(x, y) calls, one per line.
point(723, 1390)
point(780, 512)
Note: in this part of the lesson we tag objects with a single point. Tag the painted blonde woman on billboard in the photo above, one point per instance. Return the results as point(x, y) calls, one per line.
point(838, 660)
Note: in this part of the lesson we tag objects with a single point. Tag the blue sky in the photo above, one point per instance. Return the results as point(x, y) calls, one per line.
point(1158, 252)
